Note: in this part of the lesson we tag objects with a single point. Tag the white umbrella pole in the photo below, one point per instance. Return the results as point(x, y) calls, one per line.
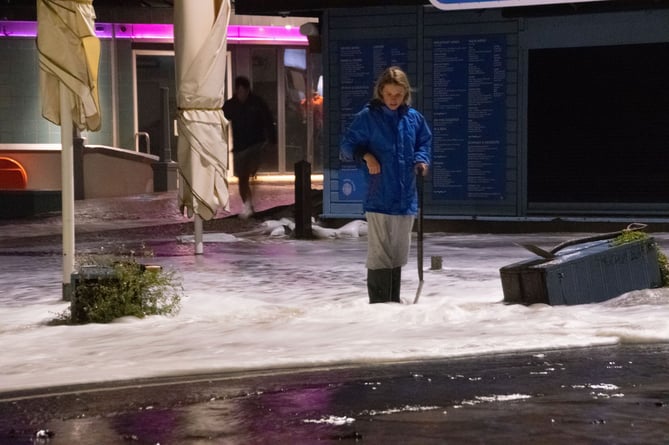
point(67, 189)
point(199, 246)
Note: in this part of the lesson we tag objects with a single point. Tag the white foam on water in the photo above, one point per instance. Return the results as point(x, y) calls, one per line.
point(271, 302)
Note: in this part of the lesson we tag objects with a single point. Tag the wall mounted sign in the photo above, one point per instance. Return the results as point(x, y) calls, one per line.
point(469, 118)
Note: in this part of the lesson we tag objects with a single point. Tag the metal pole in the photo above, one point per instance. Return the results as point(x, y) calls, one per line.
point(197, 228)
point(166, 153)
point(420, 185)
point(113, 58)
point(309, 110)
point(67, 189)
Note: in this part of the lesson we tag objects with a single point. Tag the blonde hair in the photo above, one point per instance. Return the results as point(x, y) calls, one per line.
point(393, 75)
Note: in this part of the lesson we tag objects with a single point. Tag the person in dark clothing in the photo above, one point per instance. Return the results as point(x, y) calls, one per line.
point(252, 132)
point(393, 144)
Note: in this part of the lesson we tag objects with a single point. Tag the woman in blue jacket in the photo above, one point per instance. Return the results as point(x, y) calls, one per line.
point(393, 143)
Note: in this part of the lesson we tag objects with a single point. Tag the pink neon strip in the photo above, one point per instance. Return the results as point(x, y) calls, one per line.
point(144, 31)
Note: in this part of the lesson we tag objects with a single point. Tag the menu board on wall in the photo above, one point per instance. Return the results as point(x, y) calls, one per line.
point(469, 118)
point(360, 63)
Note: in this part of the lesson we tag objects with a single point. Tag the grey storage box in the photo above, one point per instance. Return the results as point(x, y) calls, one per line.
point(585, 273)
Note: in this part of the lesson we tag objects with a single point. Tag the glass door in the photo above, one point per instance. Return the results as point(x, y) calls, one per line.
point(264, 84)
point(283, 77)
point(303, 108)
point(295, 105)
point(154, 70)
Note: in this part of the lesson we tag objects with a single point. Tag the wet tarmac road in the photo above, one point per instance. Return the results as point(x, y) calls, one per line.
point(603, 395)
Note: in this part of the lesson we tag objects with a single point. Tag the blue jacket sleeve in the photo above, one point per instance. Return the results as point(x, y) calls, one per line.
point(423, 151)
point(355, 140)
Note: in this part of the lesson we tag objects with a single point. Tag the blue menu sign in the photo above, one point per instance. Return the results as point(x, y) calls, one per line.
point(360, 63)
point(469, 118)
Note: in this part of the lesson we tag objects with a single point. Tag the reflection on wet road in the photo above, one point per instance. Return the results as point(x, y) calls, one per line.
point(608, 395)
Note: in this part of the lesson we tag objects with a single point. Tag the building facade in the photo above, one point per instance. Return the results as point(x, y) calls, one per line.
point(536, 112)
point(138, 93)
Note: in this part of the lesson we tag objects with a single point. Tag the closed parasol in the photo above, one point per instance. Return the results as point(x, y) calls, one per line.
point(200, 37)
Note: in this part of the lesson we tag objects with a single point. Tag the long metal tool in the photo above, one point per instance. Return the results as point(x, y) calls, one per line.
point(420, 237)
point(551, 254)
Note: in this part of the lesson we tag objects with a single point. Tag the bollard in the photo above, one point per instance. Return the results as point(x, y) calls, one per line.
point(435, 263)
point(303, 207)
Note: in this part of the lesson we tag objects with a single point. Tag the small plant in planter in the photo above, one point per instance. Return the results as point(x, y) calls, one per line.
point(629, 236)
point(109, 287)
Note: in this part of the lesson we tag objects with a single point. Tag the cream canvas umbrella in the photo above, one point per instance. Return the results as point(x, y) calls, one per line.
point(200, 28)
point(69, 56)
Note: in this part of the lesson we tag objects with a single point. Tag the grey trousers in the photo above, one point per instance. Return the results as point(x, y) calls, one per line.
point(389, 240)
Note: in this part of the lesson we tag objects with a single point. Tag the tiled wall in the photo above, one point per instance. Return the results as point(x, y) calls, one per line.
point(20, 115)
point(21, 121)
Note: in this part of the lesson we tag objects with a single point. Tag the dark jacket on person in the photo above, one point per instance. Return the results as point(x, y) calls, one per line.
point(399, 140)
point(252, 121)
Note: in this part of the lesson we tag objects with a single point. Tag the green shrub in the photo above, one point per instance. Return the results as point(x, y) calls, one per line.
point(629, 236)
point(120, 287)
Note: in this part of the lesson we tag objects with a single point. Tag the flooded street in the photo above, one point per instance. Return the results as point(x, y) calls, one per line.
point(606, 395)
point(275, 343)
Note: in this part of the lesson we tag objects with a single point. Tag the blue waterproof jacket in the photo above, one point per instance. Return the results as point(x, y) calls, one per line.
point(399, 140)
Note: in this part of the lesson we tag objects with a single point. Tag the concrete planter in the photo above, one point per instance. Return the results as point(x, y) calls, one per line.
point(586, 273)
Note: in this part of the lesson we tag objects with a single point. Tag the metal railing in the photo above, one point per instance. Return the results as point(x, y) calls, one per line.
point(148, 140)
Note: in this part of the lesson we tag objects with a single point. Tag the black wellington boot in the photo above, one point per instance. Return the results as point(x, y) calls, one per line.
point(396, 278)
point(379, 283)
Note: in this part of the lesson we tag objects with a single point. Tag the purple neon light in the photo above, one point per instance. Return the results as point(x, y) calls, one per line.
point(144, 31)
point(18, 29)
